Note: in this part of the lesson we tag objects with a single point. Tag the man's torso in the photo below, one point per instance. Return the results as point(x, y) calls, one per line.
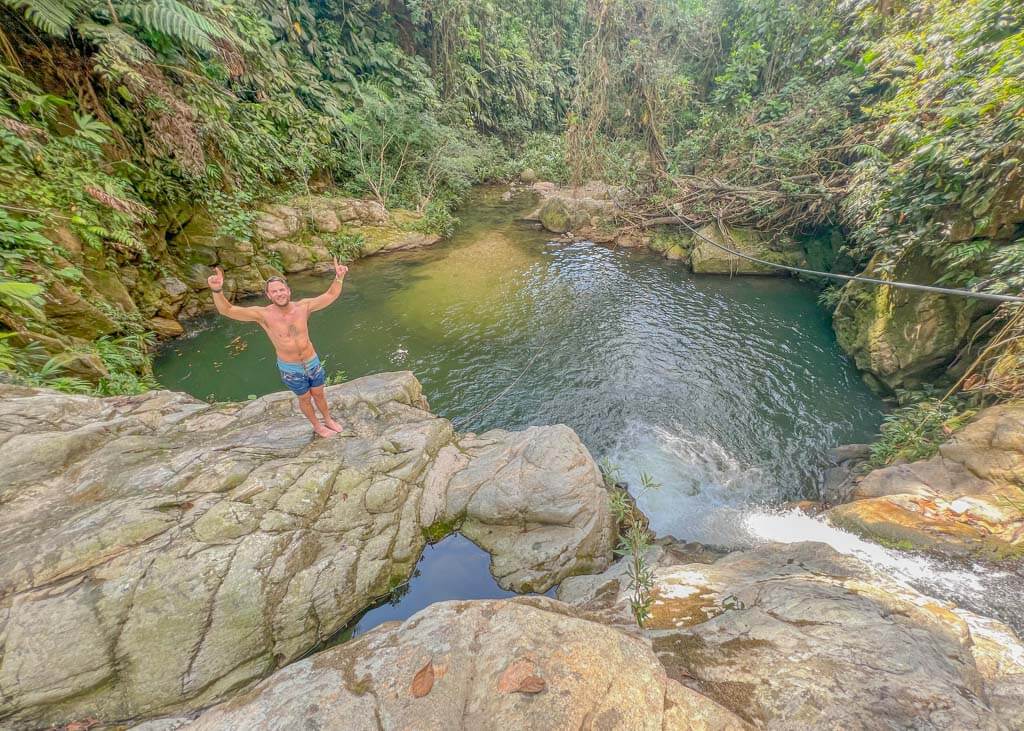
point(288, 330)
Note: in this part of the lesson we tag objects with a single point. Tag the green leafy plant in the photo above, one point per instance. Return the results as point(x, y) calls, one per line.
point(337, 377)
point(634, 539)
point(346, 246)
point(128, 365)
point(915, 431)
point(22, 297)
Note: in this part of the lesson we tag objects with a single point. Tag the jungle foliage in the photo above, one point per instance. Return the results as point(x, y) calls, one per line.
point(900, 121)
point(113, 115)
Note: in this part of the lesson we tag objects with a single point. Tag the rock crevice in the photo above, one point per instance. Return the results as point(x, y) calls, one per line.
point(158, 552)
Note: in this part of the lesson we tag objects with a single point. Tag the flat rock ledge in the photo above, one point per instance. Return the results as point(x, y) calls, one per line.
point(525, 663)
point(159, 554)
point(968, 500)
point(798, 636)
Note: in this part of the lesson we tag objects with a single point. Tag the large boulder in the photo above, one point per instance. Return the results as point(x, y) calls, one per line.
point(300, 255)
point(521, 663)
point(589, 211)
point(900, 337)
point(709, 259)
point(299, 232)
point(967, 500)
point(191, 549)
point(800, 636)
point(278, 221)
point(521, 496)
point(354, 210)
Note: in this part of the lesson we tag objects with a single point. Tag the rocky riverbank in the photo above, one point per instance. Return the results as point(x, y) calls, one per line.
point(899, 339)
point(155, 291)
point(780, 637)
point(799, 636)
point(595, 212)
point(160, 553)
point(968, 500)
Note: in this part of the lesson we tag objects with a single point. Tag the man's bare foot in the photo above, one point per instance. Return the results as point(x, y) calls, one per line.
point(324, 432)
point(333, 425)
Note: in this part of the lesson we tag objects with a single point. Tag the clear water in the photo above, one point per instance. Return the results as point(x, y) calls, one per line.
point(727, 391)
point(455, 568)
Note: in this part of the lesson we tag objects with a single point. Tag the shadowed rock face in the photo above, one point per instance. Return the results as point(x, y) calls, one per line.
point(798, 636)
point(967, 500)
point(903, 338)
point(158, 553)
point(528, 663)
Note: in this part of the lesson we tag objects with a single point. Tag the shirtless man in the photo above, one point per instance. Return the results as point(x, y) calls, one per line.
point(286, 323)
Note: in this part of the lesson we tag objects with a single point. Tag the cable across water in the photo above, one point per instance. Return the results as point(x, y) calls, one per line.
point(857, 278)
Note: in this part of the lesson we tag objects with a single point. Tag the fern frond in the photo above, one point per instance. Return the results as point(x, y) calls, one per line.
point(55, 17)
point(114, 41)
point(174, 20)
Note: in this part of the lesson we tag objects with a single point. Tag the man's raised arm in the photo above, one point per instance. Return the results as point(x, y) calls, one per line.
point(244, 314)
point(333, 292)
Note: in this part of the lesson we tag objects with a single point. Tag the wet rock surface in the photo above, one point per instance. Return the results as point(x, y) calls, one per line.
point(520, 663)
point(966, 501)
point(159, 553)
point(799, 636)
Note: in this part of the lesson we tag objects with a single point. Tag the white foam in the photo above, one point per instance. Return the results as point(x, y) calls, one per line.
point(1000, 635)
point(709, 496)
point(676, 591)
point(795, 526)
point(680, 583)
point(704, 490)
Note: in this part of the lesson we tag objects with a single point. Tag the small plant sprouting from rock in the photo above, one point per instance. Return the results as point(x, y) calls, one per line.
point(634, 538)
point(336, 377)
point(915, 431)
point(346, 246)
point(634, 544)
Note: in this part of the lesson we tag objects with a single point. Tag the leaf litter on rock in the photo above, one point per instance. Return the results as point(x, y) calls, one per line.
point(423, 680)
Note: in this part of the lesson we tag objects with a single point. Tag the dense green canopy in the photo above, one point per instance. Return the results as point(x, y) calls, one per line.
point(898, 122)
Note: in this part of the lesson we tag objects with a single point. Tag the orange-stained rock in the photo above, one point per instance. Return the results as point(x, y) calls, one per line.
point(798, 636)
point(525, 663)
point(967, 500)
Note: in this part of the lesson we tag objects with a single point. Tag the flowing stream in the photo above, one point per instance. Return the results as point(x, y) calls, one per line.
point(727, 391)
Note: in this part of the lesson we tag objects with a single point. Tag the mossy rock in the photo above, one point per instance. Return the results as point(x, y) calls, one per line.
point(440, 530)
point(555, 216)
point(903, 338)
point(707, 258)
point(824, 252)
point(672, 243)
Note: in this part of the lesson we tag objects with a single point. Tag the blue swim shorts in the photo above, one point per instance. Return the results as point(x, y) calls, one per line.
point(300, 377)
